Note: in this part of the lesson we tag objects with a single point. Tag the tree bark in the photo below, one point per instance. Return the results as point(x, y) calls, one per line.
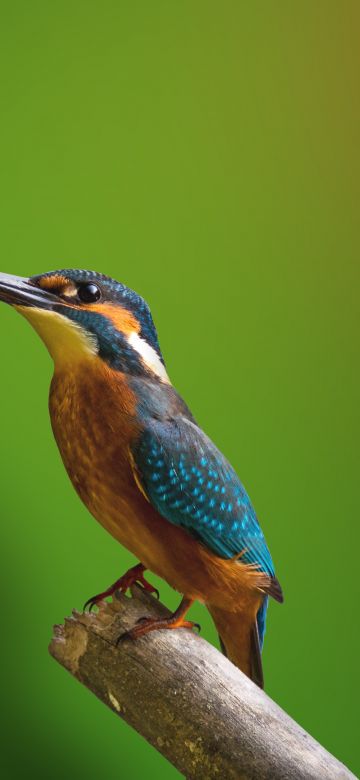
point(186, 699)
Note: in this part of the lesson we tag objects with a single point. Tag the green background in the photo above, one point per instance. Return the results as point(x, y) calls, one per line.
point(207, 155)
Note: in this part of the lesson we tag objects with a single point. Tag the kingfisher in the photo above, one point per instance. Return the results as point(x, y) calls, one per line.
point(142, 465)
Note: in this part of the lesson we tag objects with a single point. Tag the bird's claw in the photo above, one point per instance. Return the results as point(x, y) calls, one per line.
point(132, 577)
point(145, 585)
point(131, 633)
point(145, 625)
point(91, 603)
point(123, 637)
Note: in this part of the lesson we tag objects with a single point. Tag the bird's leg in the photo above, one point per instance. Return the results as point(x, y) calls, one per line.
point(132, 576)
point(147, 624)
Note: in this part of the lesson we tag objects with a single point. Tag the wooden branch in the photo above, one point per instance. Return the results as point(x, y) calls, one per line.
point(187, 699)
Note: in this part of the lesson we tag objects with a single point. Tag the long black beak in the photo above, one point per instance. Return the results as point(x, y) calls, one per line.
point(19, 291)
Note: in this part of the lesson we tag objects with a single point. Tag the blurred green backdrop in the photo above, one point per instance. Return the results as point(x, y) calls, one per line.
point(207, 155)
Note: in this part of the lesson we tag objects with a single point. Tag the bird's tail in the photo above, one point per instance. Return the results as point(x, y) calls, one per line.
point(241, 633)
point(241, 636)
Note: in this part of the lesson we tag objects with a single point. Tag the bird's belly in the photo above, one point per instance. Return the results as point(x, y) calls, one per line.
point(94, 430)
point(94, 435)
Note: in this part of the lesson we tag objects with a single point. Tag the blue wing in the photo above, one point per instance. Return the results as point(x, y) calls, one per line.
point(191, 484)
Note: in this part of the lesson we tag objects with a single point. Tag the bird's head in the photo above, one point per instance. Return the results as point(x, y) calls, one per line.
point(83, 314)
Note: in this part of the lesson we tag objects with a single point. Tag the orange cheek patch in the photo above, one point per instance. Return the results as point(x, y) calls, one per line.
point(122, 319)
point(53, 282)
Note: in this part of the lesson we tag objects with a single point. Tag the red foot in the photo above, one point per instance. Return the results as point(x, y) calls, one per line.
point(132, 576)
point(147, 624)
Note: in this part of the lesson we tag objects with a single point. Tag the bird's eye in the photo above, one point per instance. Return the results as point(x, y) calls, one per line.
point(89, 293)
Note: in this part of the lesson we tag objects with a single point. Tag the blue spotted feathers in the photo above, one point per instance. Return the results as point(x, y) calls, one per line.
point(192, 484)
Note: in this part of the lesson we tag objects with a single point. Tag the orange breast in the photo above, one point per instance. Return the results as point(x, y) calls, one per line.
point(94, 420)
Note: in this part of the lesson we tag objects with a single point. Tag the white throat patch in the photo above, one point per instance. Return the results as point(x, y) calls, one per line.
point(149, 356)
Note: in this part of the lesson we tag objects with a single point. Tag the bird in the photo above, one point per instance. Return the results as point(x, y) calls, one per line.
point(142, 465)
